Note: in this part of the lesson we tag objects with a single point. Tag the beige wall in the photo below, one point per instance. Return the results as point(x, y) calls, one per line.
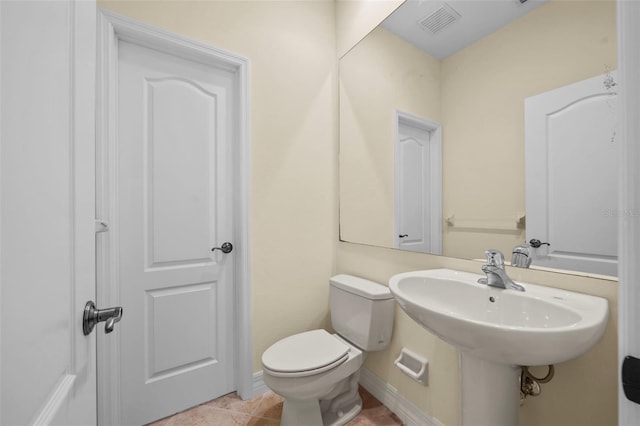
point(380, 75)
point(355, 18)
point(291, 48)
point(483, 92)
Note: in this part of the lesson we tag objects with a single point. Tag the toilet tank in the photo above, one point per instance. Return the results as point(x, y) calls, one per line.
point(361, 311)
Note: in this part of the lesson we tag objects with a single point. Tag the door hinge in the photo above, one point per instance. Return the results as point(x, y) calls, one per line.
point(101, 226)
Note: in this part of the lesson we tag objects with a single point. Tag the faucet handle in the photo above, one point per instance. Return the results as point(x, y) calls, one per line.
point(495, 258)
point(521, 256)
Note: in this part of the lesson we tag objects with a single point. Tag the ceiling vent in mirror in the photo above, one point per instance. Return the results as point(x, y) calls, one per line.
point(443, 17)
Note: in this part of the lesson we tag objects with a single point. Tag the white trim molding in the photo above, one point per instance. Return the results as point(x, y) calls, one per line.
point(629, 220)
point(55, 401)
point(407, 411)
point(258, 386)
point(111, 29)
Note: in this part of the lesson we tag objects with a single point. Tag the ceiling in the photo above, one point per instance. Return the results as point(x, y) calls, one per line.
point(449, 26)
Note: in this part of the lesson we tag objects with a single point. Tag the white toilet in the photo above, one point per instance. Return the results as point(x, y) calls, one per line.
point(316, 372)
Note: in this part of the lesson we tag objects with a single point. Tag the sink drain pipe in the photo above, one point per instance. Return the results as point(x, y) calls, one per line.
point(530, 384)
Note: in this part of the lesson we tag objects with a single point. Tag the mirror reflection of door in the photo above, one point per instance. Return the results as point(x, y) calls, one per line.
point(418, 185)
point(571, 176)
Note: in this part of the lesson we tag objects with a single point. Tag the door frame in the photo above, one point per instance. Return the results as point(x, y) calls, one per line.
point(111, 29)
point(629, 204)
point(435, 174)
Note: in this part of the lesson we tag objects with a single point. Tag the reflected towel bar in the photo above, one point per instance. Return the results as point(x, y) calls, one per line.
point(516, 224)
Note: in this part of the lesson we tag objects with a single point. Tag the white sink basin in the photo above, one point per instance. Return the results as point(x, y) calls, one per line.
point(540, 326)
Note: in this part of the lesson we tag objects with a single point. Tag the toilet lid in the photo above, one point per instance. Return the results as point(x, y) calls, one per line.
point(304, 354)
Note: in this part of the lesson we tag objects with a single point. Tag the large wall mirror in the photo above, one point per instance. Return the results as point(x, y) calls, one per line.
point(468, 125)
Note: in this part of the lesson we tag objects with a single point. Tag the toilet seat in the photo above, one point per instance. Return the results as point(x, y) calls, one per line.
point(305, 354)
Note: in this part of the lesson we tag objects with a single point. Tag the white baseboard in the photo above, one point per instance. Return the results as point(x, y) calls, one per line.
point(258, 387)
point(406, 410)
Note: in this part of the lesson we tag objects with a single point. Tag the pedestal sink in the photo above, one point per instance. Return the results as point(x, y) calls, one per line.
point(497, 331)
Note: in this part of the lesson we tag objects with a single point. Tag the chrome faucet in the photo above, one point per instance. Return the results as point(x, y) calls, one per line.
point(496, 274)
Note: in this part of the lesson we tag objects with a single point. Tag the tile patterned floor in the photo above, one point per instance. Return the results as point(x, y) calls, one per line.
point(265, 410)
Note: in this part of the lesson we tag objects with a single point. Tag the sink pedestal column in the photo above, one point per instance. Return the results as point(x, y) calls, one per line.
point(490, 392)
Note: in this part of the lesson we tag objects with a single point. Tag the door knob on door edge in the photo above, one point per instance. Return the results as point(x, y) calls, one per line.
point(225, 248)
point(93, 316)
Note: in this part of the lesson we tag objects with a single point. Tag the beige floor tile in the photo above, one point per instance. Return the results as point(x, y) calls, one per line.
point(385, 419)
point(206, 415)
point(162, 422)
point(234, 403)
point(266, 410)
point(368, 400)
point(261, 421)
point(270, 406)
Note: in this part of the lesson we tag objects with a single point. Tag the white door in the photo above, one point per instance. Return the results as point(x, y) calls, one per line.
point(418, 186)
point(48, 366)
point(629, 273)
point(571, 156)
point(173, 204)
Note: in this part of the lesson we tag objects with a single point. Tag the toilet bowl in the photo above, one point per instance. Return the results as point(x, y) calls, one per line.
point(317, 372)
point(311, 388)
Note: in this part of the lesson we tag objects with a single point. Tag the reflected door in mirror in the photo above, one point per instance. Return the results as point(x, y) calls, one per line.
point(418, 181)
point(572, 176)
